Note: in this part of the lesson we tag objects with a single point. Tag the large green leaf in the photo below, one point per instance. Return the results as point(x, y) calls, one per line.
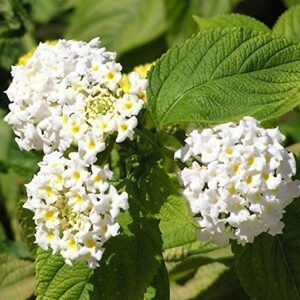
point(288, 25)
point(57, 280)
point(185, 26)
point(160, 197)
point(16, 278)
point(270, 267)
point(223, 74)
point(190, 264)
point(231, 20)
point(291, 2)
point(212, 8)
point(176, 224)
point(43, 11)
point(131, 260)
point(16, 249)
point(204, 278)
point(122, 25)
point(159, 288)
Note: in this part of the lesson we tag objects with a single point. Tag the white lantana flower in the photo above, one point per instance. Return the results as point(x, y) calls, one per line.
point(70, 92)
point(239, 182)
point(74, 207)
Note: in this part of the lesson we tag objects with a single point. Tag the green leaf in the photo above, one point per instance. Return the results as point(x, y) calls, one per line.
point(204, 278)
point(159, 288)
point(16, 249)
point(206, 286)
point(231, 20)
point(57, 280)
point(221, 75)
point(23, 162)
point(179, 253)
point(291, 128)
point(291, 2)
point(288, 25)
point(176, 224)
point(131, 260)
point(13, 18)
point(270, 267)
point(191, 264)
point(160, 198)
point(185, 26)
point(16, 278)
point(212, 8)
point(119, 29)
point(28, 225)
point(43, 10)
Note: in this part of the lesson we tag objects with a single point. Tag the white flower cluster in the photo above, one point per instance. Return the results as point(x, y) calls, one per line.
point(74, 207)
point(69, 92)
point(239, 182)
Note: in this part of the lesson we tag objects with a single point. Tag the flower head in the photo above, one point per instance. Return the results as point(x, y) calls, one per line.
point(239, 182)
point(61, 91)
point(74, 207)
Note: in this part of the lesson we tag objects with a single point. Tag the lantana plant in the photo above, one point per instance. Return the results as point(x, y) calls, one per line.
point(181, 153)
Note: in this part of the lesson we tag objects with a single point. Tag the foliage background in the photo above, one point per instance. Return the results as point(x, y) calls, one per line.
point(140, 31)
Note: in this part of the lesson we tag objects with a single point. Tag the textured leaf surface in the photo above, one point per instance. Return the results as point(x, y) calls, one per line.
point(231, 20)
point(56, 280)
point(160, 197)
point(270, 267)
point(121, 25)
point(16, 278)
point(288, 24)
point(179, 253)
point(130, 260)
point(176, 223)
point(223, 74)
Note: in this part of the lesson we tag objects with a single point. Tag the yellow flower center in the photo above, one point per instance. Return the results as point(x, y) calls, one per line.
point(90, 243)
point(128, 105)
point(98, 178)
point(50, 235)
point(76, 175)
point(49, 216)
point(251, 160)
point(229, 151)
point(79, 199)
point(124, 126)
point(232, 190)
point(235, 168)
point(72, 244)
point(100, 104)
point(111, 75)
point(92, 145)
point(249, 179)
point(265, 176)
point(75, 128)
